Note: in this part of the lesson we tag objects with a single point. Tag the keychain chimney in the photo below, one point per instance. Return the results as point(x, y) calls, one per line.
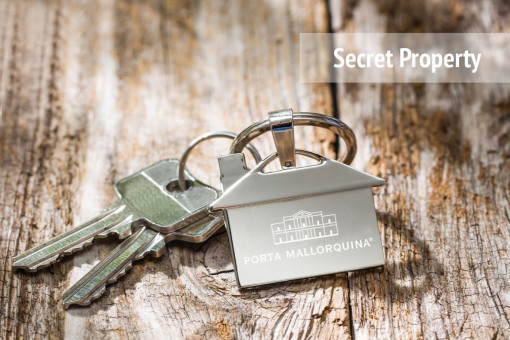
point(232, 168)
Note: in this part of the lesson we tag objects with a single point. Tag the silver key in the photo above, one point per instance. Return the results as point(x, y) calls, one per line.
point(144, 241)
point(146, 198)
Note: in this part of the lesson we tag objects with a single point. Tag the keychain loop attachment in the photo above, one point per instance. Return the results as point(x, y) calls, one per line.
point(302, 118)
point(206, 136)
point(282, 127)
point(265, 162)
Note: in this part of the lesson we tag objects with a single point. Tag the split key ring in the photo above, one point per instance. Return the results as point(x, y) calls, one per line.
point(282, 122)
point(206, 136)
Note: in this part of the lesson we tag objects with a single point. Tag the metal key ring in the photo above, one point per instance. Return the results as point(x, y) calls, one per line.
point(302, 118)
point(209, 135)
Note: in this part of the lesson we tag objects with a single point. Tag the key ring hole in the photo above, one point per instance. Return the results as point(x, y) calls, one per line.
point(173, 186)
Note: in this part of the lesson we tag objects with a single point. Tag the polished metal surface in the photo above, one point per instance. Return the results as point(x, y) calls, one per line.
point(257, 187)
point(232, 168)
point(152, 208)
point(273, 156)
point(302, 222)
point(206, 136)
point(144, 200)
point(271, 243)
point(302, 118)
point(282, 127)
point(143, 242)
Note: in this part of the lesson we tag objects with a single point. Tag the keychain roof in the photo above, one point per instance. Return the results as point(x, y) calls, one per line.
point(259, 187)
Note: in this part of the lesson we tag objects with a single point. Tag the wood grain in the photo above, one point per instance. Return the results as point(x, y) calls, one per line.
point(94, 91)
point(444, 212)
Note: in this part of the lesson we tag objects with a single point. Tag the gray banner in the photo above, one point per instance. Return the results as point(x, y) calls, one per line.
point(404, 58)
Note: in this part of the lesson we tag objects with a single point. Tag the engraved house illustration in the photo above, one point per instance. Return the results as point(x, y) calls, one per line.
point(273, 215)
point(304, 225)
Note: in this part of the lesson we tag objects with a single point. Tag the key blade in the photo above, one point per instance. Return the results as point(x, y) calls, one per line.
point(143, 242)
point(93, 284)
point(115, 220)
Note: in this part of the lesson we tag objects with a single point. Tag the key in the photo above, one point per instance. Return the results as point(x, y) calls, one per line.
point(148, 197)
point(141, 243)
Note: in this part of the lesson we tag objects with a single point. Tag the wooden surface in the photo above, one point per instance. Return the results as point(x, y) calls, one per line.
point(92, 91)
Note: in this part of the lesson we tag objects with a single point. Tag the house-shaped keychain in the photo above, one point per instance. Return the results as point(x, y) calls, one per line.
point(298, 222)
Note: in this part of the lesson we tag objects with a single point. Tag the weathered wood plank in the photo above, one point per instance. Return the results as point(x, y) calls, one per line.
point(93, 91)
point(444, 212)
point(31, 200)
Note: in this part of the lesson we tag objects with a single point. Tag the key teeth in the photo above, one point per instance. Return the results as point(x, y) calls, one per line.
point(55, 258)
point(73, 250)
point(28, 260)
point(78, 247)
point(124, 233)
point(158, 252)
point(97, 295)
point(153, 252)
point(114, 279)
point(156, 248)
point(121, 273)
point(121, 233)
point(86, 302)
point(101, 290)
point(35, 268)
